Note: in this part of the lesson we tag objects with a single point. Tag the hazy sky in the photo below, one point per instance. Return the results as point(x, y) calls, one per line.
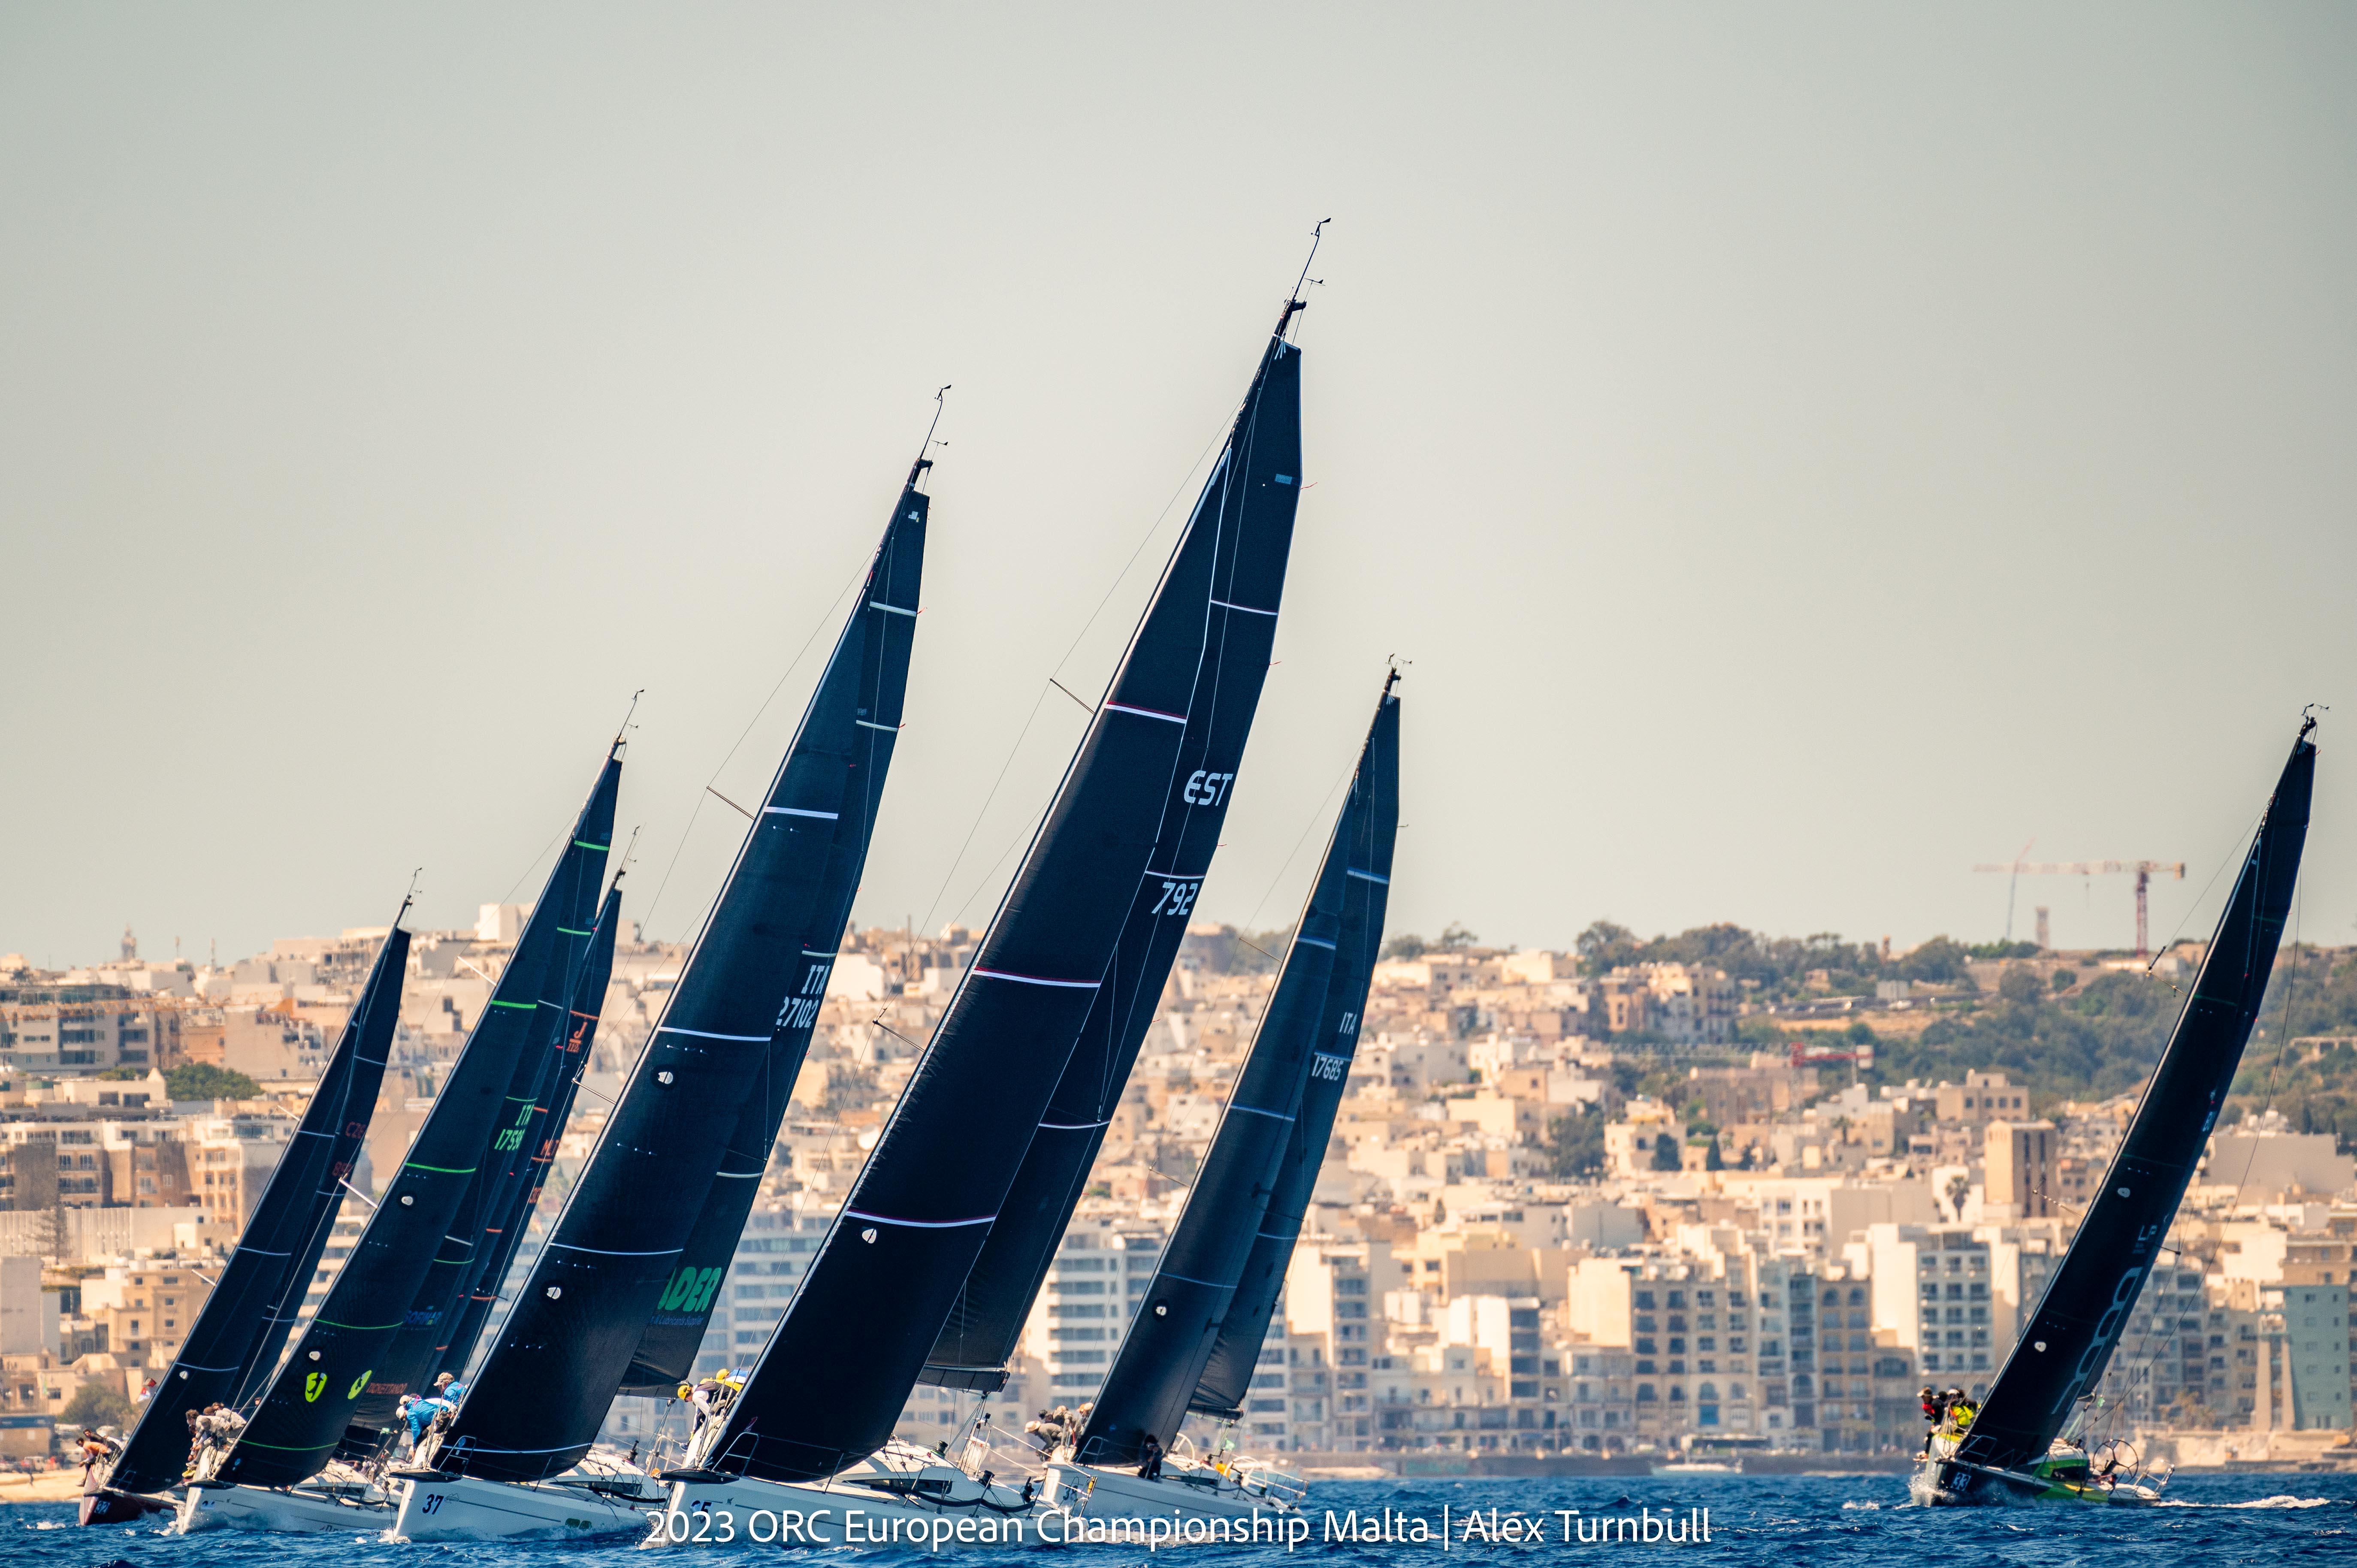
point(1805, 450)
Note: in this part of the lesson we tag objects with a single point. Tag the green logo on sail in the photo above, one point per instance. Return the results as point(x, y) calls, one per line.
point(314, 1386)
point(358, 1384)
point(690, 1290)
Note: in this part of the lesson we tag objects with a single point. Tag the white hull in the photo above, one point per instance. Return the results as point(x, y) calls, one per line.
point(1183, 1492)
point(292, 1510)
point(462, 1508)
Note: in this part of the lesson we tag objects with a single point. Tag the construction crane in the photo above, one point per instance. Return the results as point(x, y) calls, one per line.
point(2144, 871)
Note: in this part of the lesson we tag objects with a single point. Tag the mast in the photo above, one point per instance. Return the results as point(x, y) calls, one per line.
point(342, 1354)
point(2068, 1340)
point(1253, 517)
point(241, 1325)
point(839, 1364)
point(1260, 1150)
point(736, 1027)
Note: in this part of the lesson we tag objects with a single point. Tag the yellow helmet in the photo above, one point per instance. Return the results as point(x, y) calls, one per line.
point(686, 1391)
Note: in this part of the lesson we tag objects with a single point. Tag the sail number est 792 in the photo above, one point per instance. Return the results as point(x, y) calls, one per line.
point(1178, 897)
point(1205, 789)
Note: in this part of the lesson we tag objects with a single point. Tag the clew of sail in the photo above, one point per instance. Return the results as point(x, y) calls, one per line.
point(736, 1027)
point(2069, 1338)
point(1228, 1371)
point(1250, 499)
point(242, 1324)
point(343, 1349)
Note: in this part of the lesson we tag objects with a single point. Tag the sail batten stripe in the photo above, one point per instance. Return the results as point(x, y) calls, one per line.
point(1035, 980)
point(608, 1252)
point(798, 812)
point(1248, 610)
point(1368, 876)
point(890, 609)
point(1148, 712)
point(919, 1224)
point(1191, 1280)
point(1257, 1111)
point(709, 1035)
point(888, 729)
point(1074, 1126)
point(1313, 942)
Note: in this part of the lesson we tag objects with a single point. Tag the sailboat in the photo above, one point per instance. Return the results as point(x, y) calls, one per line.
point(1197, 1332)
point(1254, 523)
point(242, 1326)
point(304, 1413)
point(617, 1264)
point(2015, 1447)
point(820, 1402)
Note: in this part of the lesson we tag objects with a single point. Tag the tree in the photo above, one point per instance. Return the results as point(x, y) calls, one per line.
point(1960, 1187)
point(1665, 1152)
point(1938, 961)
point(202, 1080)
point(1407, 944)
point(1455, 938)
point(97, 1403)
point(1575, 1144)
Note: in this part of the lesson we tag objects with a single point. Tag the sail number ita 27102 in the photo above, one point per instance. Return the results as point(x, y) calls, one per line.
point(801, 1010)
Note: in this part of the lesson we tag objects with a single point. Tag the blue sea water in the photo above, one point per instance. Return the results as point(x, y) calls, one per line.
point(1754, 1522)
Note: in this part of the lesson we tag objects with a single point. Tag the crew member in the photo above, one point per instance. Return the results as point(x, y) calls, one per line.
point(1149, 1458)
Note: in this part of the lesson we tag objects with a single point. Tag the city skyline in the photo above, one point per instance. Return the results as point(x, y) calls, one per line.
point(1803, 458)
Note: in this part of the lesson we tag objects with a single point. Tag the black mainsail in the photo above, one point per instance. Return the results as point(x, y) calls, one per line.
point(1249, 500)
point(908, 1232)
point(310, 1400)
point(2066, 1341)
point(243, 1323)
point(675, 1321)
point(536, 1152)
point(738, 1023)
point(1178, 1322)
point(1220, 1390)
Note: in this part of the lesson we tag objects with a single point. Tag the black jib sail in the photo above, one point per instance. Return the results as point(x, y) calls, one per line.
point(909, 1230)
point(1171, 1332)
point(1221, 1390)
point(472, 1254)
point(310, 1402)
point(2069, 1338)
point(744, 1008)
point(241, 1325)
point(1250, 500)
point(537, 1150)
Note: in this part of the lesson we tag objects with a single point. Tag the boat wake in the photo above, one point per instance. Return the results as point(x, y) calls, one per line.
point(2281, 1500)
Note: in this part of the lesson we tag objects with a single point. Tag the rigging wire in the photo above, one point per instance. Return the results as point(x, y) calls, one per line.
point(646, 921)
point(2142, 1362)
point(1186, 483)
